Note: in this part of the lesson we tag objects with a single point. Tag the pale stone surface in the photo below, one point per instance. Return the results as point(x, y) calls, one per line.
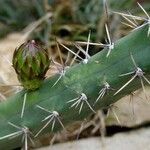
point(135, 140)
point(7, 47)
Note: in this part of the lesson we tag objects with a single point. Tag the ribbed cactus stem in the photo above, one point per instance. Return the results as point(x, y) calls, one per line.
point(76, 95)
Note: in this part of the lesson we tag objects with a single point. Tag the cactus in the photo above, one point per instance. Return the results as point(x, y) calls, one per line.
point(83, 89)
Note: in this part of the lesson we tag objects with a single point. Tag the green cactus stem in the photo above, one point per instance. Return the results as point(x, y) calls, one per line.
point(78, 79)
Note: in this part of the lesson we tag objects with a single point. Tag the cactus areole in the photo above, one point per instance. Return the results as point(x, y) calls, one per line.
point(31, 63)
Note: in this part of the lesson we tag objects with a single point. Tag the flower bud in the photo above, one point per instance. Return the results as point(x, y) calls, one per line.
point(31, 63)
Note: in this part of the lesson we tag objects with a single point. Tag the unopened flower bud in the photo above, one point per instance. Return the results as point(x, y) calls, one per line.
point(31, 63)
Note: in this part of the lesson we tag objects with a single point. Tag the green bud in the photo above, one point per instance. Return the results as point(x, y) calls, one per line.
point(31, 63)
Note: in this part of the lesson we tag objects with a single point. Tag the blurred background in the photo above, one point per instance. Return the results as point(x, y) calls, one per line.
point(69, 21)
